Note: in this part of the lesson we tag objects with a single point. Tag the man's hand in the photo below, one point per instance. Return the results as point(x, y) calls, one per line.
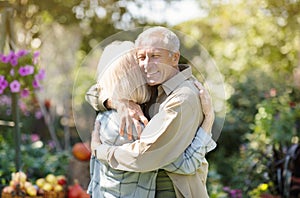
point(130, 113)
point(207, 108)
point(95, 137)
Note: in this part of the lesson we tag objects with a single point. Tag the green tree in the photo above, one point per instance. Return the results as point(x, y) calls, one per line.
point(256, 46)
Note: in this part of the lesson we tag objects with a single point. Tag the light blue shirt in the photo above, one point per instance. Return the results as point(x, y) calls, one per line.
point(109, 182)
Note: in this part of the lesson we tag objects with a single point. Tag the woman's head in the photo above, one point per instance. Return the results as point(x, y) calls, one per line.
point(122, 78)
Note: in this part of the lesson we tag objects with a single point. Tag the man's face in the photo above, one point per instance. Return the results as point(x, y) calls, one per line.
point(158, 64)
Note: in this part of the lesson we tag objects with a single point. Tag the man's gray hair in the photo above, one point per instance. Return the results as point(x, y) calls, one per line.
point(168, 39)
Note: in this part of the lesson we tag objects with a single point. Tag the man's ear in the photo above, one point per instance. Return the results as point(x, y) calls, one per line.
point(175, 58)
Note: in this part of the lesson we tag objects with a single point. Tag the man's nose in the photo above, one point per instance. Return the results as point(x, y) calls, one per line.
point(146, 63)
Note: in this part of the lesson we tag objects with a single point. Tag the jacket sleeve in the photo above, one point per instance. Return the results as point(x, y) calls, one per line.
point(194, 156)
point(95, 98)
point(163, 140)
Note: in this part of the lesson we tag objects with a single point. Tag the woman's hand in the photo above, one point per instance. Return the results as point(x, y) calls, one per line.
point(130, 114)
point(207, 108)
point(95, 137)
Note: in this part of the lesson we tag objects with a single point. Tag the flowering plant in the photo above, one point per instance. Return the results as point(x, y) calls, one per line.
point(19, 72)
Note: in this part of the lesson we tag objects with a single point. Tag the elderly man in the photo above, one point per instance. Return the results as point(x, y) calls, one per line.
point(175, 118)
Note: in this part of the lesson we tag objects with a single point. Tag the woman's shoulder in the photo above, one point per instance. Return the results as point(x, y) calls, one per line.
point(106, 115)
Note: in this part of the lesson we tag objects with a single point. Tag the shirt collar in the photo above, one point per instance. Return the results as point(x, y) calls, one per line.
point(175, 81)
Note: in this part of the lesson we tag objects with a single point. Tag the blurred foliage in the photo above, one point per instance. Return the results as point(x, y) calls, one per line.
point(38, 158)
point(276, 127)
point(276, 121)
point(96, 19)
point(256, 46)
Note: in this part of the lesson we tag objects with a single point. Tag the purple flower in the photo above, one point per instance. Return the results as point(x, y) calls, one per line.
point(11, 55)
point(14, 86)
point(21, 53)
point(25, 93)
point(4, 59)
point(23, 71)
point(17, 68)
point(30, 69)
point(35, 84)
point(41, 75)
point(3, 84)
point(26, 70)
point(14, 61)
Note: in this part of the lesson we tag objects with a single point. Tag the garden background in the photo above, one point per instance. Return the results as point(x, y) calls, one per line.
point(255, 44)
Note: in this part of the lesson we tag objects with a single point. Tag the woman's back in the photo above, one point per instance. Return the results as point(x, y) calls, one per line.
point(109, 182)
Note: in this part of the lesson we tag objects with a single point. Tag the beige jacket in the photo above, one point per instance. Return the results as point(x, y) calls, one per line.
point(165, 137)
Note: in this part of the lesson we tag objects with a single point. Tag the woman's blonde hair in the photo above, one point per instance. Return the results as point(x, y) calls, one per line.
point(122, 78)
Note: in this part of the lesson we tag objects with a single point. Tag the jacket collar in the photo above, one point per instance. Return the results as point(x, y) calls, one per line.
point(170, 85)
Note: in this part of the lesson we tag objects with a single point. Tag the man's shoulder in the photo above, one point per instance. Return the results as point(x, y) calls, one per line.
point(186, 92)
point(187, 87)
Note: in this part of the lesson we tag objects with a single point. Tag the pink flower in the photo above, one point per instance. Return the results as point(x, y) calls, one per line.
point(26, 70)
point(25, 93)
point(30, 69)
point(4, 59)
point(35, 137)
point(14, 86)
point(16, 66)
point(22, 71)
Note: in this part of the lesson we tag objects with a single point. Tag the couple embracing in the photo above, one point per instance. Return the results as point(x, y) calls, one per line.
point(154, 121)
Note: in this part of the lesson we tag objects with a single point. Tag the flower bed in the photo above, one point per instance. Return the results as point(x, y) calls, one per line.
point(19, 73)
point(45, 195)
point(49, 187)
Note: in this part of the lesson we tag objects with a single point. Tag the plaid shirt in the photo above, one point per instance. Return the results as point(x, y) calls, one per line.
point(109, 182)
